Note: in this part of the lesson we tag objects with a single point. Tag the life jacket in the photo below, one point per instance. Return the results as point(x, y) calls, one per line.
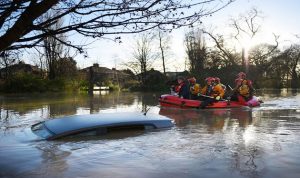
point(218, 90)
point(178, 87)
point(223, 86)
point(207, 90)
point(244, 88)
point(213, 91)
point(195, 89)
point(183, 90)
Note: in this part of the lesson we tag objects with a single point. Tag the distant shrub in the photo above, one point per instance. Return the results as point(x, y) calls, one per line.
point(83, 85)
point(131, 85)
point(155, 81)
point(114, 87)
point(24, 83)
point(56, 85)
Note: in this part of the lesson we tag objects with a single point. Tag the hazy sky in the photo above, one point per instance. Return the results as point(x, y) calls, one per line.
point(280, 17)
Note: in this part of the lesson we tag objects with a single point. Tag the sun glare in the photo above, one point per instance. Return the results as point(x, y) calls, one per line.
point(247, 44)
point(249, 135)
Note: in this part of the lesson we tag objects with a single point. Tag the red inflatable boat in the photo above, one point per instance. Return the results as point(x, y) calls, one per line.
point(175, 101)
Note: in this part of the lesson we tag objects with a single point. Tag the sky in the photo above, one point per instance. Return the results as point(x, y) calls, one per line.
point(279, 16)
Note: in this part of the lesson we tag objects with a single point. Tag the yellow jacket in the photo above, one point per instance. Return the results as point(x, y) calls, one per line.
point(244, 89)
point(204, 90)
point(217, 90)
point(195, 89)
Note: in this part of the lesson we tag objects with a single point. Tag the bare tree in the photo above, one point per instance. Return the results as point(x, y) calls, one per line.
point(222, 51)
point(261, 54)
point(55, 49)
point(196, 51)
point(292, 57)
point(246, 27)
point(8, 58)
point(164, 40)
point(21, 25)
point(143, 55)
point(162, 50)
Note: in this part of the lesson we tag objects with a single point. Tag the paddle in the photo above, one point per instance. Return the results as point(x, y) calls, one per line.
point(230, 87)
point(230, 93)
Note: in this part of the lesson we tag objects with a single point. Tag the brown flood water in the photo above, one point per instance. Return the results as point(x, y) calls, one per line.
point(258, 142)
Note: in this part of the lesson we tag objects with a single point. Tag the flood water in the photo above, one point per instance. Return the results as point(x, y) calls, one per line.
point(258, 142)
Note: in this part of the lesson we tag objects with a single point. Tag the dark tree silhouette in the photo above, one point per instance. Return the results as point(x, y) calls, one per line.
point(54, 48)
point(7, 59)
point(196, 51)
point(227, 55)
point(246, 27)
point(292, 58)
point(143, 56)
point(21, 25)
point(164, 40)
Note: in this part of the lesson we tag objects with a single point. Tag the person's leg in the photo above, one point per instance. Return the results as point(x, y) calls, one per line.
point(234, 97)
point(194, 97)
point(206, 102)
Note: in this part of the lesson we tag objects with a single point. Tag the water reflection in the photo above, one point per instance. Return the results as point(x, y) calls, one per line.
point(215, 119)
point(53, 160)
point(67, 104)
point(236, 126)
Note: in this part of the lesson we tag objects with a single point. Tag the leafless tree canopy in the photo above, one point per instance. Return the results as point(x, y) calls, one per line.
point(8, 58)
point(196, 50)
point(143, 54)
point(21, 25)
point(248, 24)
point(164, 47)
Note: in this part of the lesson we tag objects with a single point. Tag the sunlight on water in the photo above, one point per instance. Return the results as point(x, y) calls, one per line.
point(287, 102)
point(82, 110)
point(249, 135)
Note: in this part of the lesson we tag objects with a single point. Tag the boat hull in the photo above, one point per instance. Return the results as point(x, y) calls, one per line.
point(175, 101)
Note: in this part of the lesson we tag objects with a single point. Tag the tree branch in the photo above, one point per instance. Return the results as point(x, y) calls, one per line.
point(97, 18)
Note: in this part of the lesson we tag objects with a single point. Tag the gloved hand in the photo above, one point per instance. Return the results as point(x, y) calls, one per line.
point(217, 98)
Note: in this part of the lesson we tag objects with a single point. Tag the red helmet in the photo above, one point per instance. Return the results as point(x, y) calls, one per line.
point(209, 79)
point(241, 74)
point(217, 79)
point(192, 80)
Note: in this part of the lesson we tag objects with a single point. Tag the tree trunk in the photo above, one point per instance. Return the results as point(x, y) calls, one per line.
point(295, 79)
point(91, 81)
point(162, 52)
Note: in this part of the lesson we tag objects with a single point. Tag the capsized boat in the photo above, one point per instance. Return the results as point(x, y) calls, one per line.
point(168, 100)
point(98, 124)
